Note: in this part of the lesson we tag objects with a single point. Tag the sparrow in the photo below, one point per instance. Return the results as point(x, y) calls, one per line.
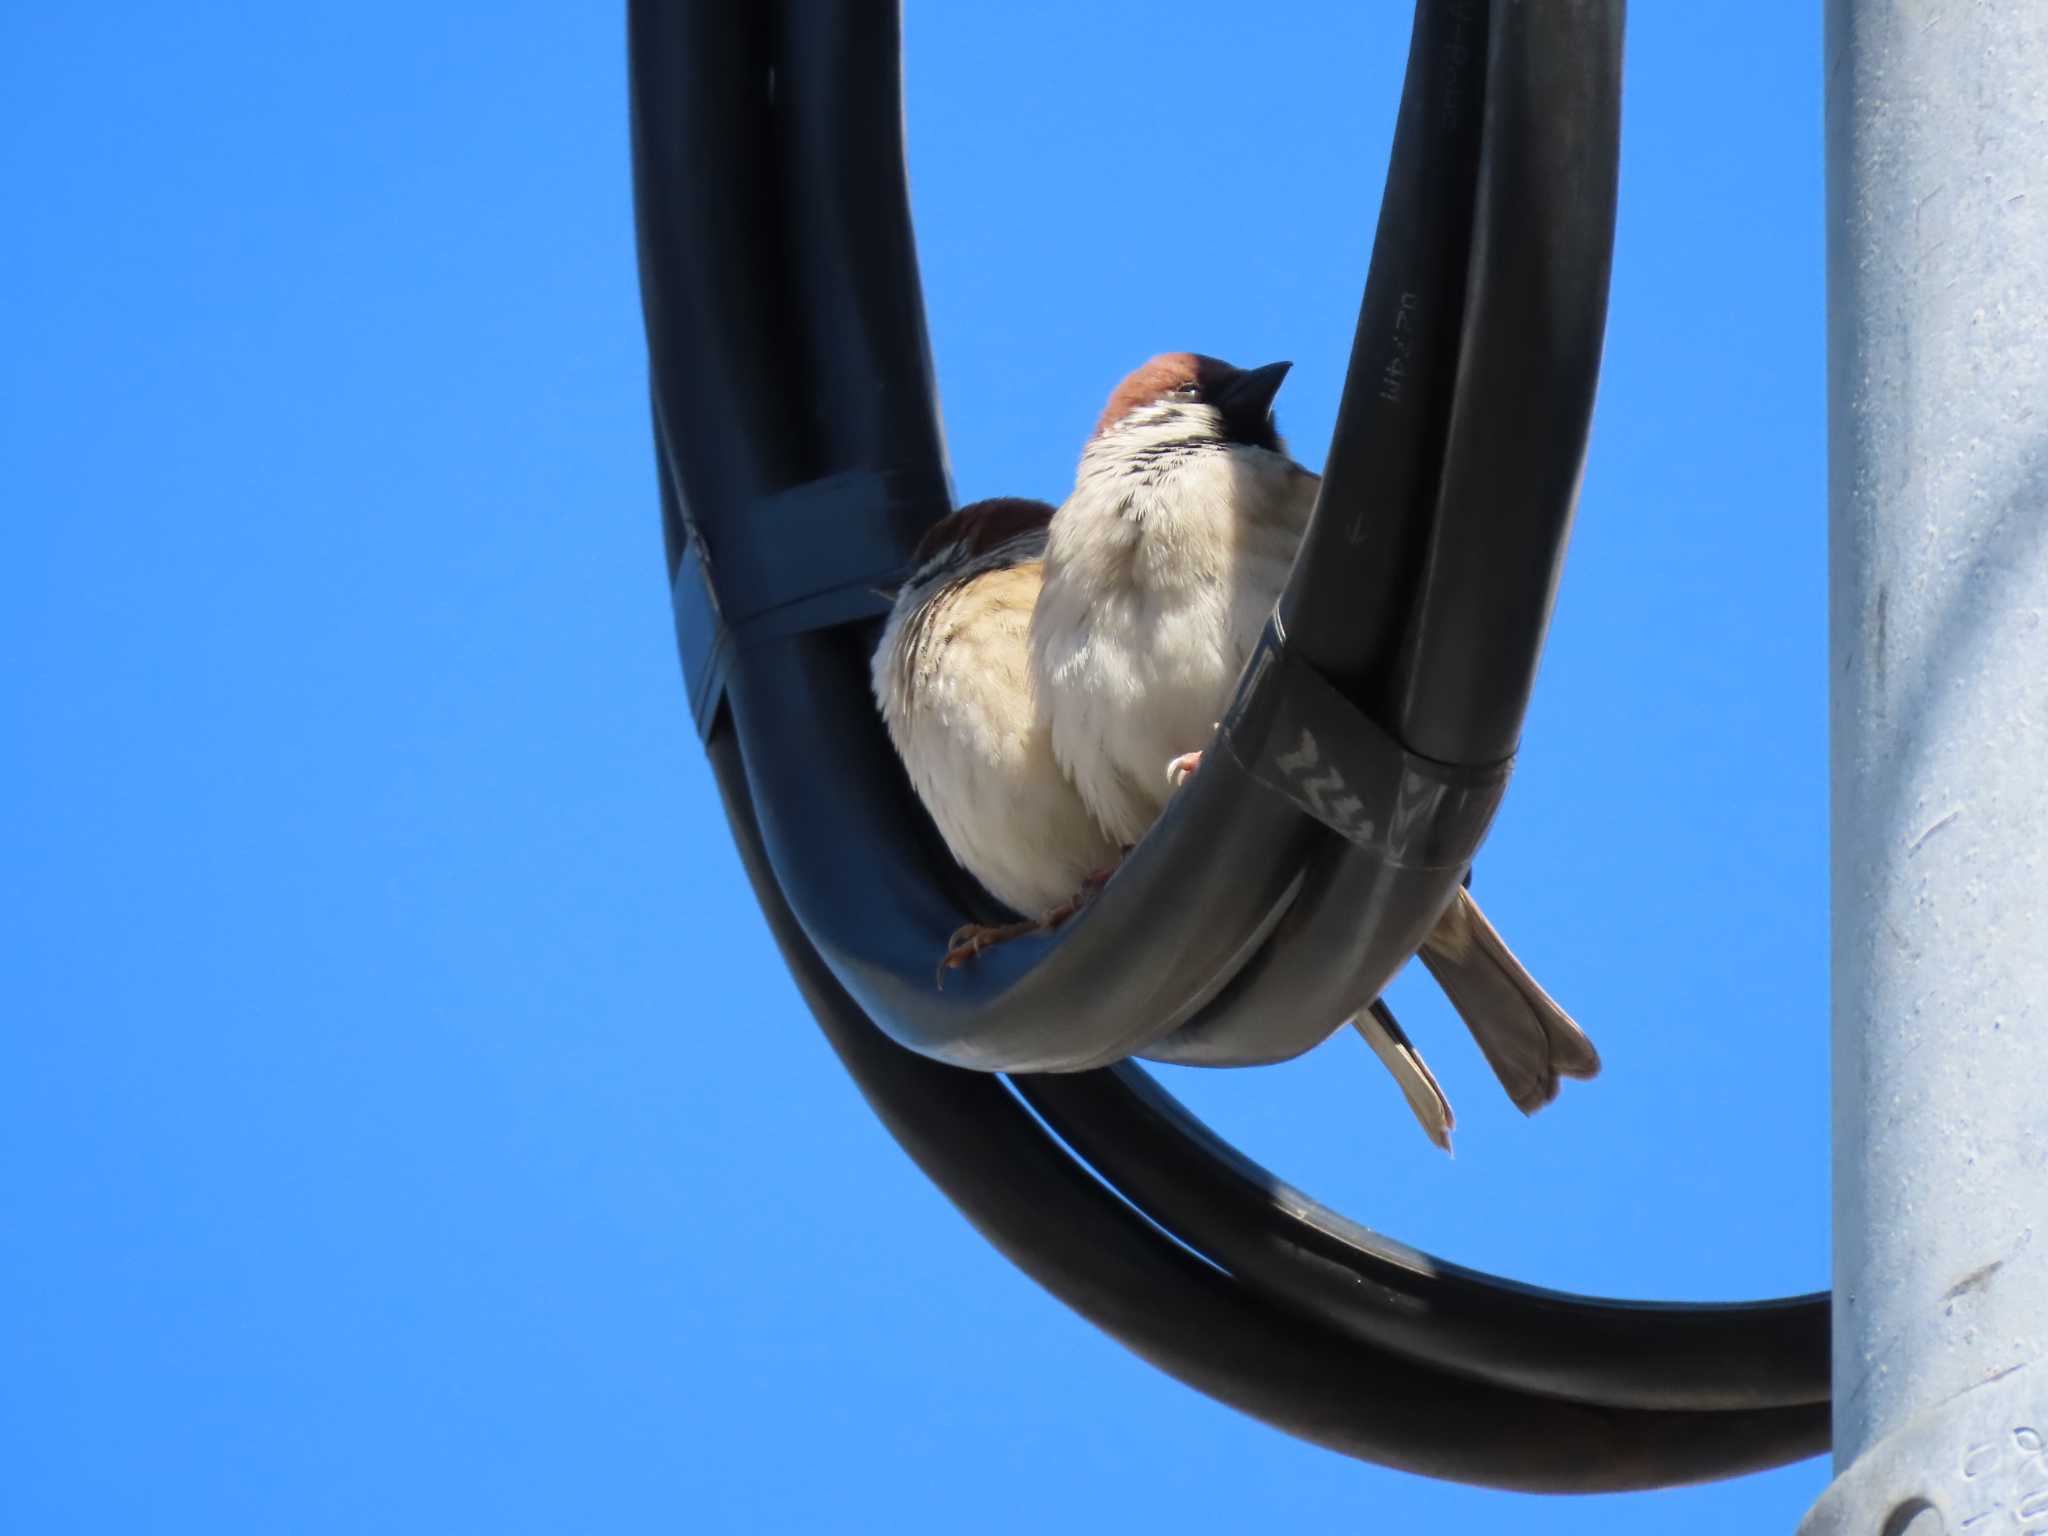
point(952, 677)
point(1160, 571)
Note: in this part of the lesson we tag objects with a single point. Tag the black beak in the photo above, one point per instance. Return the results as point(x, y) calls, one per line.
point(1246, 401)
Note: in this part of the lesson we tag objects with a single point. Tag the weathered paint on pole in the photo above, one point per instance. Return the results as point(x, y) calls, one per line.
point(1937, 209)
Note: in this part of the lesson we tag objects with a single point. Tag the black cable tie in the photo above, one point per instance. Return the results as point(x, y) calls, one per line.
point(814, 569)
point(1298, 737)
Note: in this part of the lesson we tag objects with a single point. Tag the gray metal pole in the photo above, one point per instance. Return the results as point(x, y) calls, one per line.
point(1937, 158)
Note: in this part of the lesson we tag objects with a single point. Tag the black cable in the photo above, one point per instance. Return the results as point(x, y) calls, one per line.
point(800, 454)
point(1535, 317)
point(747, 410)
point(1424, 586)
point(1630, 1354)
point(1099, 1257)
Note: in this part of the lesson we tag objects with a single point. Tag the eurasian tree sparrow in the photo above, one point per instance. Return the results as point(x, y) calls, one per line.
point(1160, 572)
point(953, 678)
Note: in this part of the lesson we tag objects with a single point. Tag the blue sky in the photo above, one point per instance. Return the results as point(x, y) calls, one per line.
point(405, 1122)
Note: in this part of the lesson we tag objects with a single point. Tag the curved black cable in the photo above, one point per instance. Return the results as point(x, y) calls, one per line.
point(782, 506)
point(1345, 608)
point(1424, 586)
point(1627, 1354)
point(762, 467)
point(1101, 1258)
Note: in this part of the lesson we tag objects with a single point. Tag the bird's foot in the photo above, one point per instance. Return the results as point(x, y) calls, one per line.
point(970, 939)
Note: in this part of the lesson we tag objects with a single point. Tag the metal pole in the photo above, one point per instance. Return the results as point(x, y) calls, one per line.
point(1937, 164)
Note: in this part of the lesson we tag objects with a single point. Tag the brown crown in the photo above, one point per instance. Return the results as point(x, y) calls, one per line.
point(1160, 378)
point(982, 525)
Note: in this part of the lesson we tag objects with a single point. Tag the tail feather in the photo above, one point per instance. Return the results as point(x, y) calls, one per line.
point(1526, 1038)
point(1418, 1084)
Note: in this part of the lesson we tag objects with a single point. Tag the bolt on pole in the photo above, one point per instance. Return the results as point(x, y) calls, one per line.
point(1937, 216)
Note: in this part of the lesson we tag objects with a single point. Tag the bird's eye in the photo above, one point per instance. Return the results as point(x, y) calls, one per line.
point(1186, 391)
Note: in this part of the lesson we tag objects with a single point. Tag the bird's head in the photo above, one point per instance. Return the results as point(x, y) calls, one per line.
point(1185, 401)
point(978, 537)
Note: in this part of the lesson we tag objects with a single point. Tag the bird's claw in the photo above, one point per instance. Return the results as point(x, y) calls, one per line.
point(1182, 768)
point(970, 939)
